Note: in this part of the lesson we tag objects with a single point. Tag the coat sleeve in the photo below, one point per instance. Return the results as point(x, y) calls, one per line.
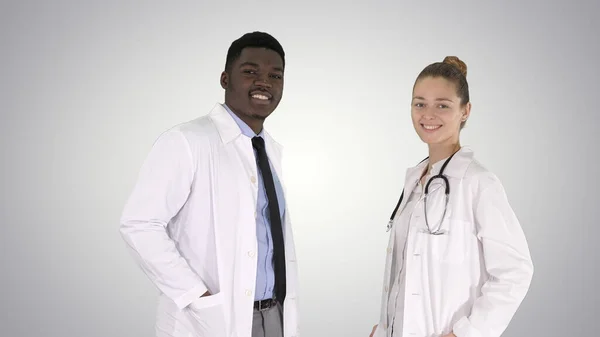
point(507, 261)
point(162, 188)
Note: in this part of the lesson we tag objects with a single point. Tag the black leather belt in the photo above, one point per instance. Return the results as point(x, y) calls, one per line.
point(264, 304)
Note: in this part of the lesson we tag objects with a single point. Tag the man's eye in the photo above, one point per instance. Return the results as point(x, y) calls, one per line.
point(276, 76)
point(248, 71)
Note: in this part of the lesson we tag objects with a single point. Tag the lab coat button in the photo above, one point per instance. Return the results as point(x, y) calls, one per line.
point(248, 292)
point(251, 253)
point(389, 250)
point(253, 179)
point(386, 289)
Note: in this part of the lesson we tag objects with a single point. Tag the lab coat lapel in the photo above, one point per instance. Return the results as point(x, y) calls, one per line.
point(232, 136)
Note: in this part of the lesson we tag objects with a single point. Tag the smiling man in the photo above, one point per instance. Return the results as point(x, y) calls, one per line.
point(207, 220)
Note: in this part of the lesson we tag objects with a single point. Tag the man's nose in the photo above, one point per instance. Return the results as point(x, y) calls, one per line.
point(262, 81)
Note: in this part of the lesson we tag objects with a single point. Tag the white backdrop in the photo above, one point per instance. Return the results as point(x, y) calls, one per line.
point(86, 87)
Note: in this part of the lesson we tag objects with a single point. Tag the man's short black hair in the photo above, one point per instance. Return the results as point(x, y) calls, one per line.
point(253, 39)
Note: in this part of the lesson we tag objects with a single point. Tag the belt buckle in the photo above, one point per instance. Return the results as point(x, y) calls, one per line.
point(268, 304)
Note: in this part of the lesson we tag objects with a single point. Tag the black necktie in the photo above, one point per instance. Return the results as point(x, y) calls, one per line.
point(275, 219)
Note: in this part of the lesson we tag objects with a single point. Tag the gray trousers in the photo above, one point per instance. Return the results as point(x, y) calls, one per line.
point(268, 322)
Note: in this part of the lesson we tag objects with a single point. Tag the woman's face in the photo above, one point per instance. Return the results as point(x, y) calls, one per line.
point(437, 111)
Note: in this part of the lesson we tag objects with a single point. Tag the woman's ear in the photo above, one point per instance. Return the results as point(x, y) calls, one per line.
point(466, 112)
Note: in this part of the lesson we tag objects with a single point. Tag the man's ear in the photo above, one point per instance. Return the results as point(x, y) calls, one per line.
point(224, 80)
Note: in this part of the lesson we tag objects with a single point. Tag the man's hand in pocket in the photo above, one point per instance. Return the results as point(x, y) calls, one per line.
point(205, 316)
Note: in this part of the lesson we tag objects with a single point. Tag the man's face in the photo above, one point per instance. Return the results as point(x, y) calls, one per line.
point(254, 84)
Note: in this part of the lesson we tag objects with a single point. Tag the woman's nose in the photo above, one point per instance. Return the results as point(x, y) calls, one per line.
point(428, 113)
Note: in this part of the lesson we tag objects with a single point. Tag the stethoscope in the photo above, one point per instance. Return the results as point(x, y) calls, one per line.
point(440, 175)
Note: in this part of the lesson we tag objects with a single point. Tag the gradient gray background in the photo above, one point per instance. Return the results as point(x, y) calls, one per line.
point(86, 87)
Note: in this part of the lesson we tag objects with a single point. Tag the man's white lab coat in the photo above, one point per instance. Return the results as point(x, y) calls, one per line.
point(190, 224)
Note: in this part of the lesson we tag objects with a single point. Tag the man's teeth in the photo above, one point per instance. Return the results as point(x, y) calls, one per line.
point(263, 97)
point(431, 127)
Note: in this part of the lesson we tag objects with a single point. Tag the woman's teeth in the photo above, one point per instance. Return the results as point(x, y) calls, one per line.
point(431, 127)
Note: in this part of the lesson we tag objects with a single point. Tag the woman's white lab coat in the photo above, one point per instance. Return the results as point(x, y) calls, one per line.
point(472, 280)
point(190, 224)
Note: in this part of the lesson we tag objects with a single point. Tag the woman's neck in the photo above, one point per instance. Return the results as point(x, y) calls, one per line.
point(438, 152)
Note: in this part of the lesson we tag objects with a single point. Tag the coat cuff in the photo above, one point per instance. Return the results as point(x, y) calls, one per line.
point(189, 297)
point(464, 328)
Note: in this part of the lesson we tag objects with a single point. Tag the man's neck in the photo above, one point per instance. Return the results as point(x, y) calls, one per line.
point(253, 123)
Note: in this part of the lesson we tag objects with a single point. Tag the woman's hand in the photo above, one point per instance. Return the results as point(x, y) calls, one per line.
point(373, 331)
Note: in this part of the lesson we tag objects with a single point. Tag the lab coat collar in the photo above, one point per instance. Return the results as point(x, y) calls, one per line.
point(227, 127)
point(456, 168)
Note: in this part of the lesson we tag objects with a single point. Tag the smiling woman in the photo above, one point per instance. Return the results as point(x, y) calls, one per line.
point(441, 100)
point(457, 251)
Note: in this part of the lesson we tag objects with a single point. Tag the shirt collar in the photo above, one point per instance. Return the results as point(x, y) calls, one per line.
point(246, 130)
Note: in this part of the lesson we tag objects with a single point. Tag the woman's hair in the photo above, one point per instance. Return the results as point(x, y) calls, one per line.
point(453, 70)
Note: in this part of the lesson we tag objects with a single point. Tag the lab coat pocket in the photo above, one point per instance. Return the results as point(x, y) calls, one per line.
point(449, 247)
point(206, 317)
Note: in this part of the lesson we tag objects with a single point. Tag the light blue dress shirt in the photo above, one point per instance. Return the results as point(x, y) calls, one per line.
point(265, 275)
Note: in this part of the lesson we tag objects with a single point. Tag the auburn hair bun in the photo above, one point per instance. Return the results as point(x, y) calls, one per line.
point(455, 61)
